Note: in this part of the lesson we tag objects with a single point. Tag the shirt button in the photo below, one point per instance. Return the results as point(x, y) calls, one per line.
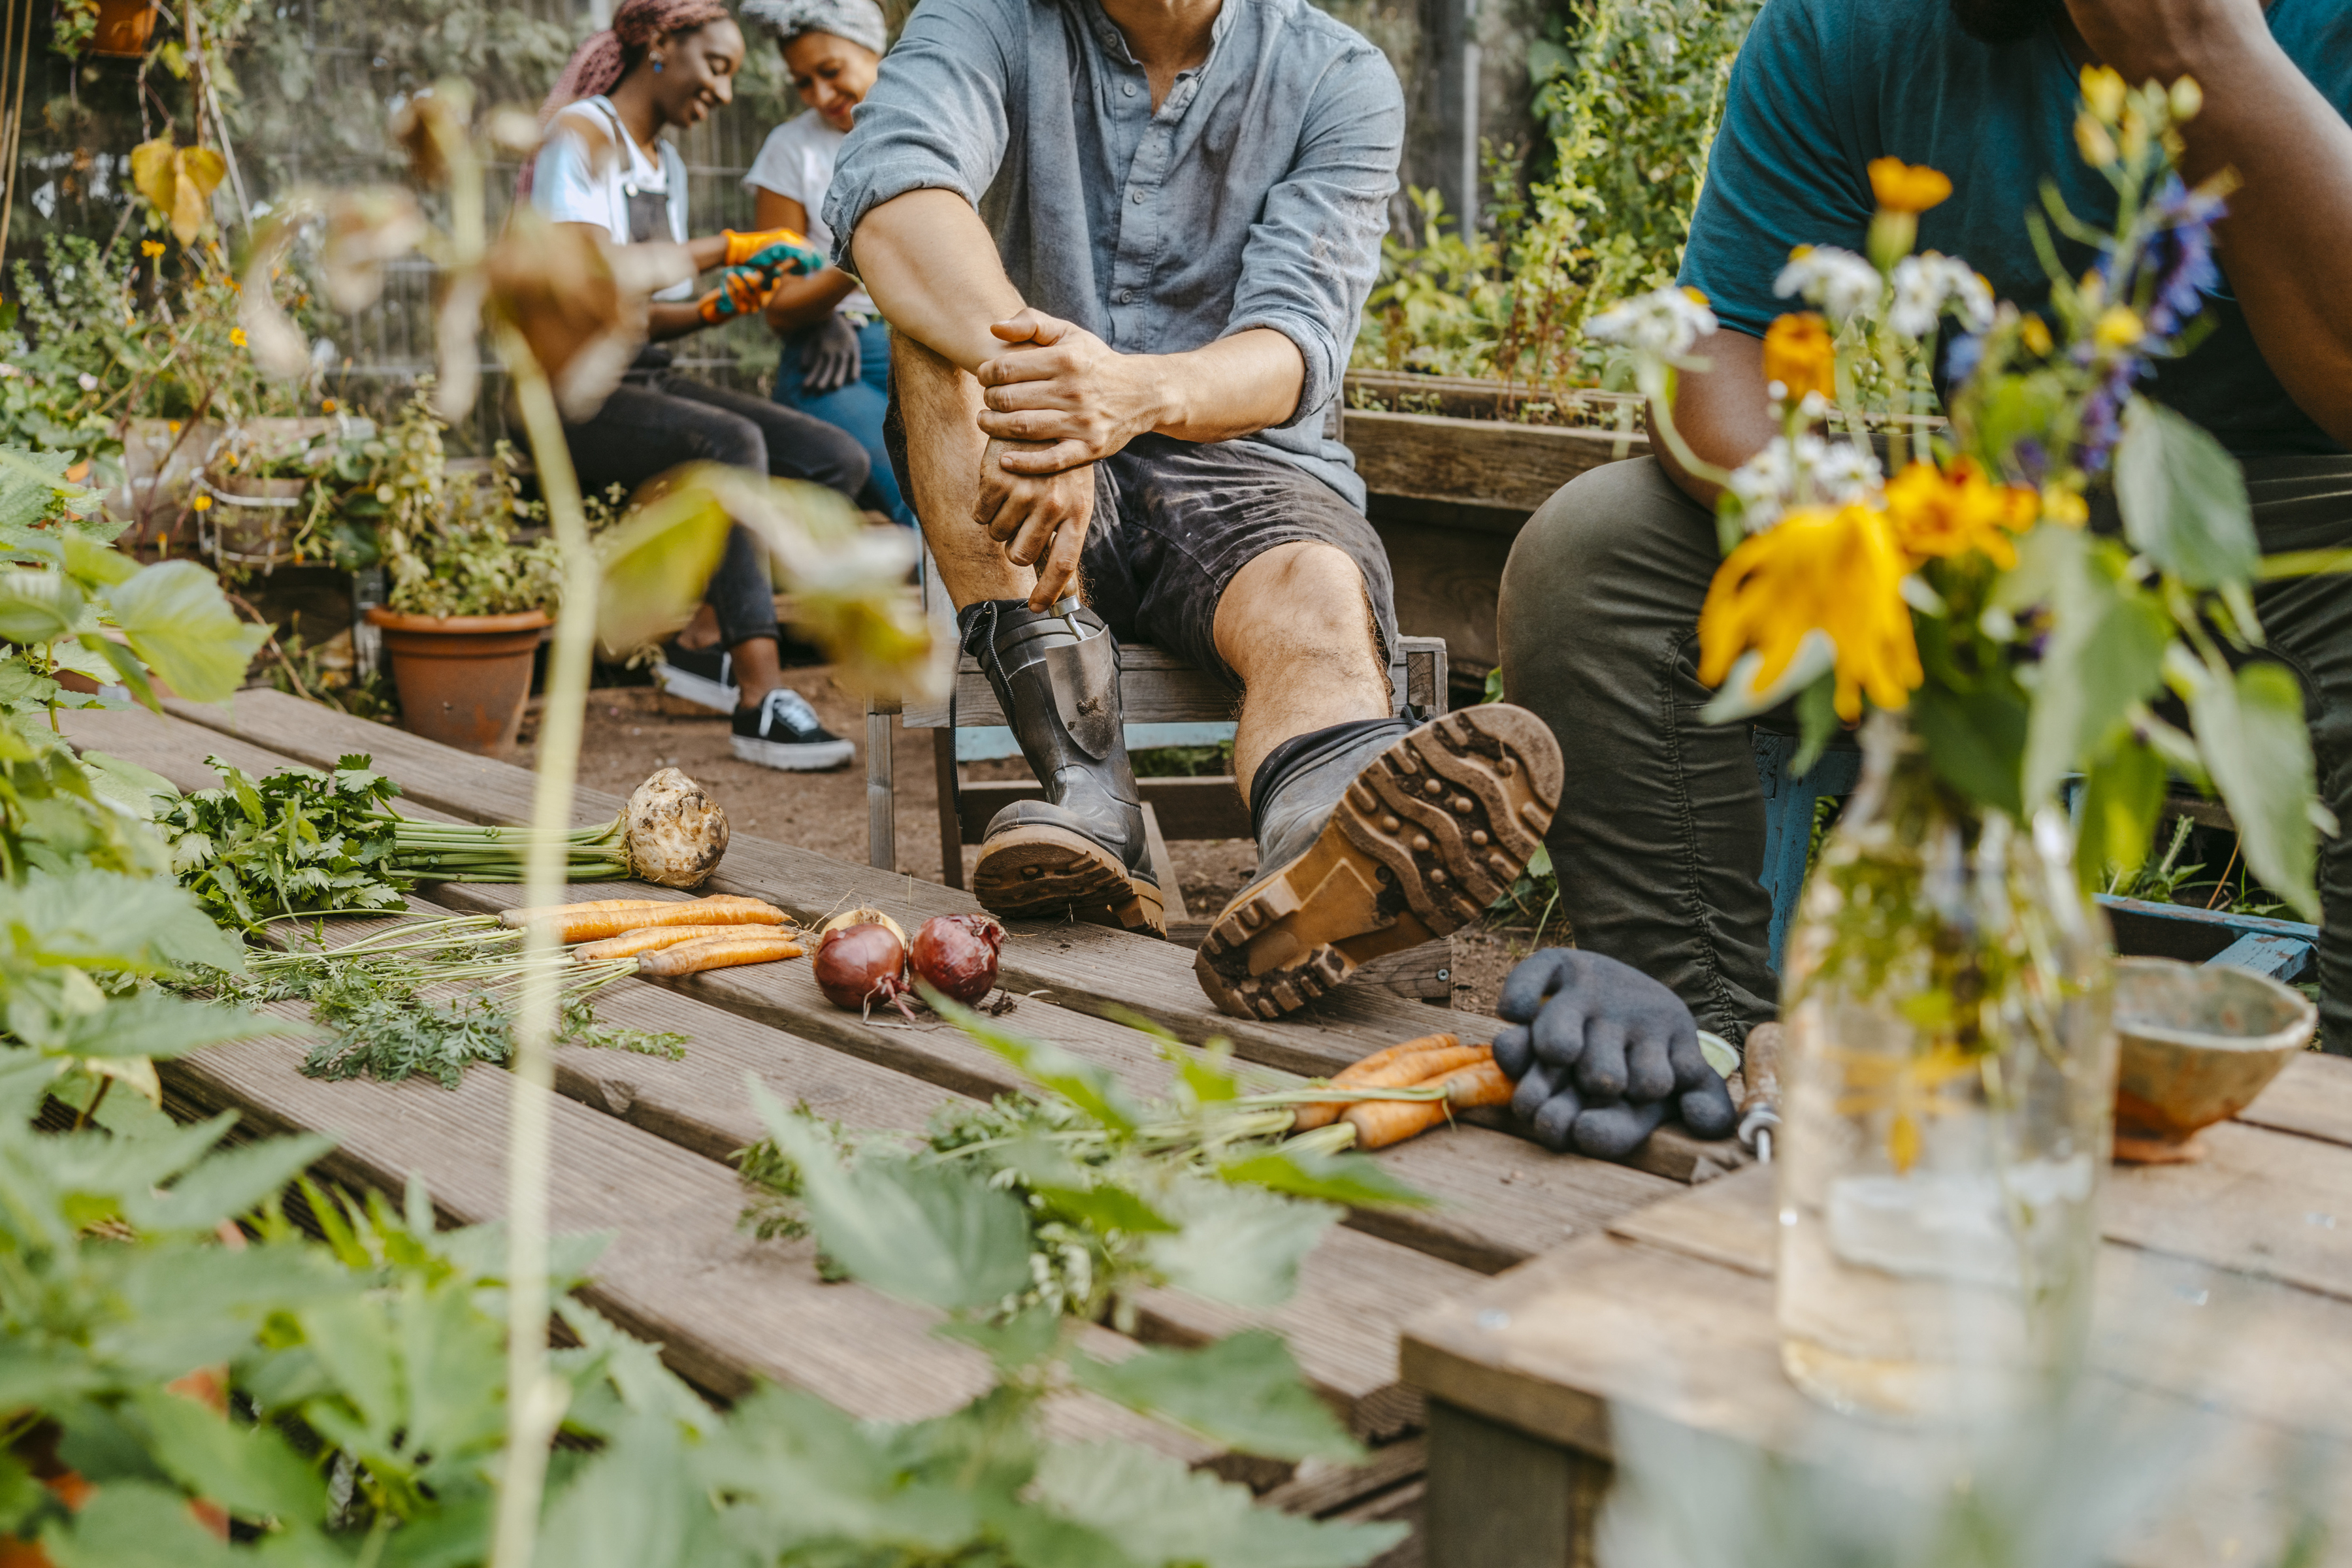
point(1130, 89)
point(1127, 296)
point(1136, 196)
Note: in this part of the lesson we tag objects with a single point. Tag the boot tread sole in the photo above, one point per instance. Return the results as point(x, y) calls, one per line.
point(1036, 871)
point(1426, 837)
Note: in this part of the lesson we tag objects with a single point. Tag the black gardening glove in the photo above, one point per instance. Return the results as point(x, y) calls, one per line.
point(829, 358)
point(1600, 1050)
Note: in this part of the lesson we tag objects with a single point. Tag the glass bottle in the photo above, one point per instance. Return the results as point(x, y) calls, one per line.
point(1948, 1091)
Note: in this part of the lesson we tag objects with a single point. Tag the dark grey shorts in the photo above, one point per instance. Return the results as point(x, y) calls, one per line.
point(1175, 520)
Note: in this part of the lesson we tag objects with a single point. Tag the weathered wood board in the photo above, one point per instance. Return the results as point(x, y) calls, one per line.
point(1084, 968)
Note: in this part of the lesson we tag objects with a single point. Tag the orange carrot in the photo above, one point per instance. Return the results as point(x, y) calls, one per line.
point(593, 923)
point(647, 939)
point(1380, 1122)
point(1354, 1071)
point(1405, 1067)
point(516, 919)
point(1481, 1083)
point(721, 951)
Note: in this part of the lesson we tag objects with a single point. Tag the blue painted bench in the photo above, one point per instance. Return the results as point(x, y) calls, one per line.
point(2283, 949)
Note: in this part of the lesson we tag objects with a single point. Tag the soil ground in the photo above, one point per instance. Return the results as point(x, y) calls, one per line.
point(632, 731)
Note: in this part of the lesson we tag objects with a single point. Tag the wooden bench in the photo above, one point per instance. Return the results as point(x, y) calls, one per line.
point(2225, 1297)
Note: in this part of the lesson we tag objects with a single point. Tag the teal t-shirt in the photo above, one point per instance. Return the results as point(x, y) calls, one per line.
point(1822, 87)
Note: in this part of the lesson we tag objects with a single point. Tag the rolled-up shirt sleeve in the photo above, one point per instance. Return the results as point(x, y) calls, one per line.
point(934, 119)
point(1315, 250)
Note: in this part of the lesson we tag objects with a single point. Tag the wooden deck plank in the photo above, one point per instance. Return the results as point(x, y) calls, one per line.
point(1354, 1291)
point(1503, 1199)
point(1087, 969)
point(2312, 1097)
point(724, 1308)
point(2261, 1204)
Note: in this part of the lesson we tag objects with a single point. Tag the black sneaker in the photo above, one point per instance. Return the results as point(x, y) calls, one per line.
point(703, 677)
point(782, 733)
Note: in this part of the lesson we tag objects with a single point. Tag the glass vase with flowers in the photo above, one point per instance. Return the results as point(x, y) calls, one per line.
point(1948, 1066)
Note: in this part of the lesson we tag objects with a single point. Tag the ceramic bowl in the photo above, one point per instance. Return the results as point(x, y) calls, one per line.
point(2199, 1042)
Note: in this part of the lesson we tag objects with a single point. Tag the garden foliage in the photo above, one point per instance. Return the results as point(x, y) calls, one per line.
point(1629, 92)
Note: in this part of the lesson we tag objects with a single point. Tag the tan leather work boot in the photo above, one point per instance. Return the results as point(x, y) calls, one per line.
point(1379, 840)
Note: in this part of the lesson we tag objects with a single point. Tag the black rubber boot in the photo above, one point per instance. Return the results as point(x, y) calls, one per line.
point(1081, 850)
point(1374, 837)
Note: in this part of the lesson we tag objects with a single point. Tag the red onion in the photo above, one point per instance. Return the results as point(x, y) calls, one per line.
point(857, 966)
point(955, 955)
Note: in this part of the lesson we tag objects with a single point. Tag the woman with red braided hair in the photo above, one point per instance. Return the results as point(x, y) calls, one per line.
point(666, 63)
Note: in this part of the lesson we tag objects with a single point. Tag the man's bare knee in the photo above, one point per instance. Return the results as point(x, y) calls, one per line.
point(1306, 601)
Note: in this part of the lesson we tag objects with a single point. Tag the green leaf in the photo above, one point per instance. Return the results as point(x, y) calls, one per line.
point(159, 1025)
point(935, 1234)
point(2120, 801)
point(1238, 1245)
point(1106, 1209)
point(1975, 741)
point(135, 1524)
point(656, 565)
point(2258, 749)
point(139, 791)
point(1244, 1392)
point(1163, 1514)
point(250, 1470)
point(184, 629)
point(1817, 724)
point(1091, 1089)
point(2105, 655)
point(19, 1492)
point(639, 1504)
point(37, 607)
point(229, 1183)
point(1356, 1181)
point(1021, 1341)
point(2183, 499)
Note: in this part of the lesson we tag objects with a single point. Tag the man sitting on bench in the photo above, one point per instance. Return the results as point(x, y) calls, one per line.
point(1122, 249)
point(1659, 853)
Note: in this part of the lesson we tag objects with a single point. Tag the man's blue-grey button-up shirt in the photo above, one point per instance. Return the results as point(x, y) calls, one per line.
point(1257, 196)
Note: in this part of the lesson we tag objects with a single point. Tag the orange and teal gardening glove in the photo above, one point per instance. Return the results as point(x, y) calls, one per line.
point(745, 284)
point(744, 243)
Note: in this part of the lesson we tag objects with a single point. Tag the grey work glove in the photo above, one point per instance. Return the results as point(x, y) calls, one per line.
point(829, 356)
point(1601, 1052)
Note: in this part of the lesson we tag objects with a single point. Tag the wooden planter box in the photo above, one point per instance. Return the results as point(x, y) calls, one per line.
point(1449, 494)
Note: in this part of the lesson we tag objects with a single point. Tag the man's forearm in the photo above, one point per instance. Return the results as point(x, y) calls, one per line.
point(931, 267)
point(2286, 245)
point(1235, 387)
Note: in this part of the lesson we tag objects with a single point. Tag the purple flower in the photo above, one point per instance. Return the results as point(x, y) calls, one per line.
point(2180, 256)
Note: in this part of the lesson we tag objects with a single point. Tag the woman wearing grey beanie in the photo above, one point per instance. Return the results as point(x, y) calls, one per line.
point(836, 358)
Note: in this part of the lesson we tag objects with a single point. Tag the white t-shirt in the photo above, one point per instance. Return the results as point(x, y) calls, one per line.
point(796, 161)
point(568, 186)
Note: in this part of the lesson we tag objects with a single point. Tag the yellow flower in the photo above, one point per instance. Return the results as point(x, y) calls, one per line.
point(2065, 506)
point(1936, 514)
point(2188, 100)
point(1836, 572)
point(1907, 187)
point(1696, 296)
point(2035, 335)
point(1800, 356)
point(151, 247)
point(2093, 141)
point(2119, 327)
point(236, 336)
point(202, 503)
point(328, 407)
point(2103, 90)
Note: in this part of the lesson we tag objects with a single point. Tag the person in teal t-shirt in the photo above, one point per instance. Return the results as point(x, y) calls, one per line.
point(1660, 836)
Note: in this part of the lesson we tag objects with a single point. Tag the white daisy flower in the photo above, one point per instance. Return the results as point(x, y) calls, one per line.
point(1925, 286)
point(1839, 473)
point(1841, 283)
point(1663, 322)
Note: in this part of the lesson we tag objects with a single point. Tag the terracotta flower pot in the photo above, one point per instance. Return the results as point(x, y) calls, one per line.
point(124, 27)
point(463, 680)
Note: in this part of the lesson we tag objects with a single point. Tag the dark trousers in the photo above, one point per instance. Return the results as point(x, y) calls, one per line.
point(649, 426)
point(1660, 836)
